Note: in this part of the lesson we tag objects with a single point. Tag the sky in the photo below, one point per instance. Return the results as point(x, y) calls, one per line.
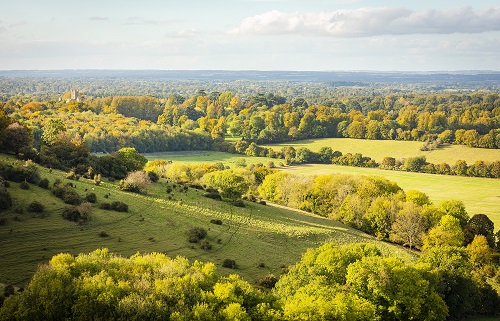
point(302, 35)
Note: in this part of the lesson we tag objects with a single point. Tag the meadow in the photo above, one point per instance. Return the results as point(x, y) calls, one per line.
point(480, 195)
point(262, 239)
point(378, 149)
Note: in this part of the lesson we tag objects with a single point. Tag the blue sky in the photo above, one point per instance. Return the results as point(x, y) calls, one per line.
point(251, 35)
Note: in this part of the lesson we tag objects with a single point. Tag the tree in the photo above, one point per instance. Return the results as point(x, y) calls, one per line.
point(480, 224)
point(17, 138)
point(51, 129)
point(408, 227)
point(455, 208)
point(136, 181)
point(231, 184)
point(417, 197)
point(447, 233)
point(400, 292)
point(131, 158)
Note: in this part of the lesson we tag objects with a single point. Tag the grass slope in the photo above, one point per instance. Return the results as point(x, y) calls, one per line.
point(378, 149)
point(480, 195)
point(272, 235)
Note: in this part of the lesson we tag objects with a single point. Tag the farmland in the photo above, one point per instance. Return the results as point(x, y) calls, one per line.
point(378, 149)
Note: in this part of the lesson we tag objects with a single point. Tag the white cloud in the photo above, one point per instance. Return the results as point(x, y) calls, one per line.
point(373, 21)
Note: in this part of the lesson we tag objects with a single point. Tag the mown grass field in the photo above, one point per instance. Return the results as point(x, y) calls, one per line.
point(480, 195)
point(256, 234)
point(378, 149)
point(206, 156)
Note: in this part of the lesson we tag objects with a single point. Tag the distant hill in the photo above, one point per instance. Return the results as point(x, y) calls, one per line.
point(473, 76)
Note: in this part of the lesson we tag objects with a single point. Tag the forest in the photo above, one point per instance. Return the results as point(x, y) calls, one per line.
point(100, 138)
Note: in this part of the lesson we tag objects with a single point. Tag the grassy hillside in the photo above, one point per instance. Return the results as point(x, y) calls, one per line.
point(378, 149)
point(480, 195)
point(253, 235)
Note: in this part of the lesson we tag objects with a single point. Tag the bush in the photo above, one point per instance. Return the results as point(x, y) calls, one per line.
point(72, 175)
point(267, 281)
point(24, 185)
point(196, 234)
point(213, 195)
point(91, 198)
point(114, 206)
point(153, 177)
point(217, 222)
point(36, 207)
point(72, 197)
point(136, 182)
point(103, 234)
point(238, 203)
point(228, 263)
point(44, 183)
point(5, 199)
point(71, 214)
point(119, 206)
point(105, 206)
point(205, 245)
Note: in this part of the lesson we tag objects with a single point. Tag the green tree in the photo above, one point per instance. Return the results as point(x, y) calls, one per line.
point(409, 226)
point(400, 292)
point(17, 138)
point(455, 208)
point(51, 129)
point(231, 184)
point(447, 233)
point(480, 224)
point(131, 158)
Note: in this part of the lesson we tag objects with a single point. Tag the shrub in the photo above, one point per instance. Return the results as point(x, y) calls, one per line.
point(205, 245)
point(136, 182)
point(153, 177)
point(71, 214)
point(44, 183)
point(72, 197)
point(262, 202)
point(228, 263)
point(103, 234)
point(36, 207)
point(105, 206)
point(72, 175)
point(267, 281)
point(196, 234)
point(238, 203)
point(91, 198)
point(119, 206)
point(24, 185)
point(78, 213)
point(5, 199)
point(217, 222)
point(213, 195)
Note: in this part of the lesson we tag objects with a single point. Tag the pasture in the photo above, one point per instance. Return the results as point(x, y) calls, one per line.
point(378, 149)
point(480, 195)
point(262, 239)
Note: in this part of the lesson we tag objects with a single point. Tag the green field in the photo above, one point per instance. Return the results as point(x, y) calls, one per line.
point(199, 157)
point(378, 149)
point(271, 235)
point(480, 195)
